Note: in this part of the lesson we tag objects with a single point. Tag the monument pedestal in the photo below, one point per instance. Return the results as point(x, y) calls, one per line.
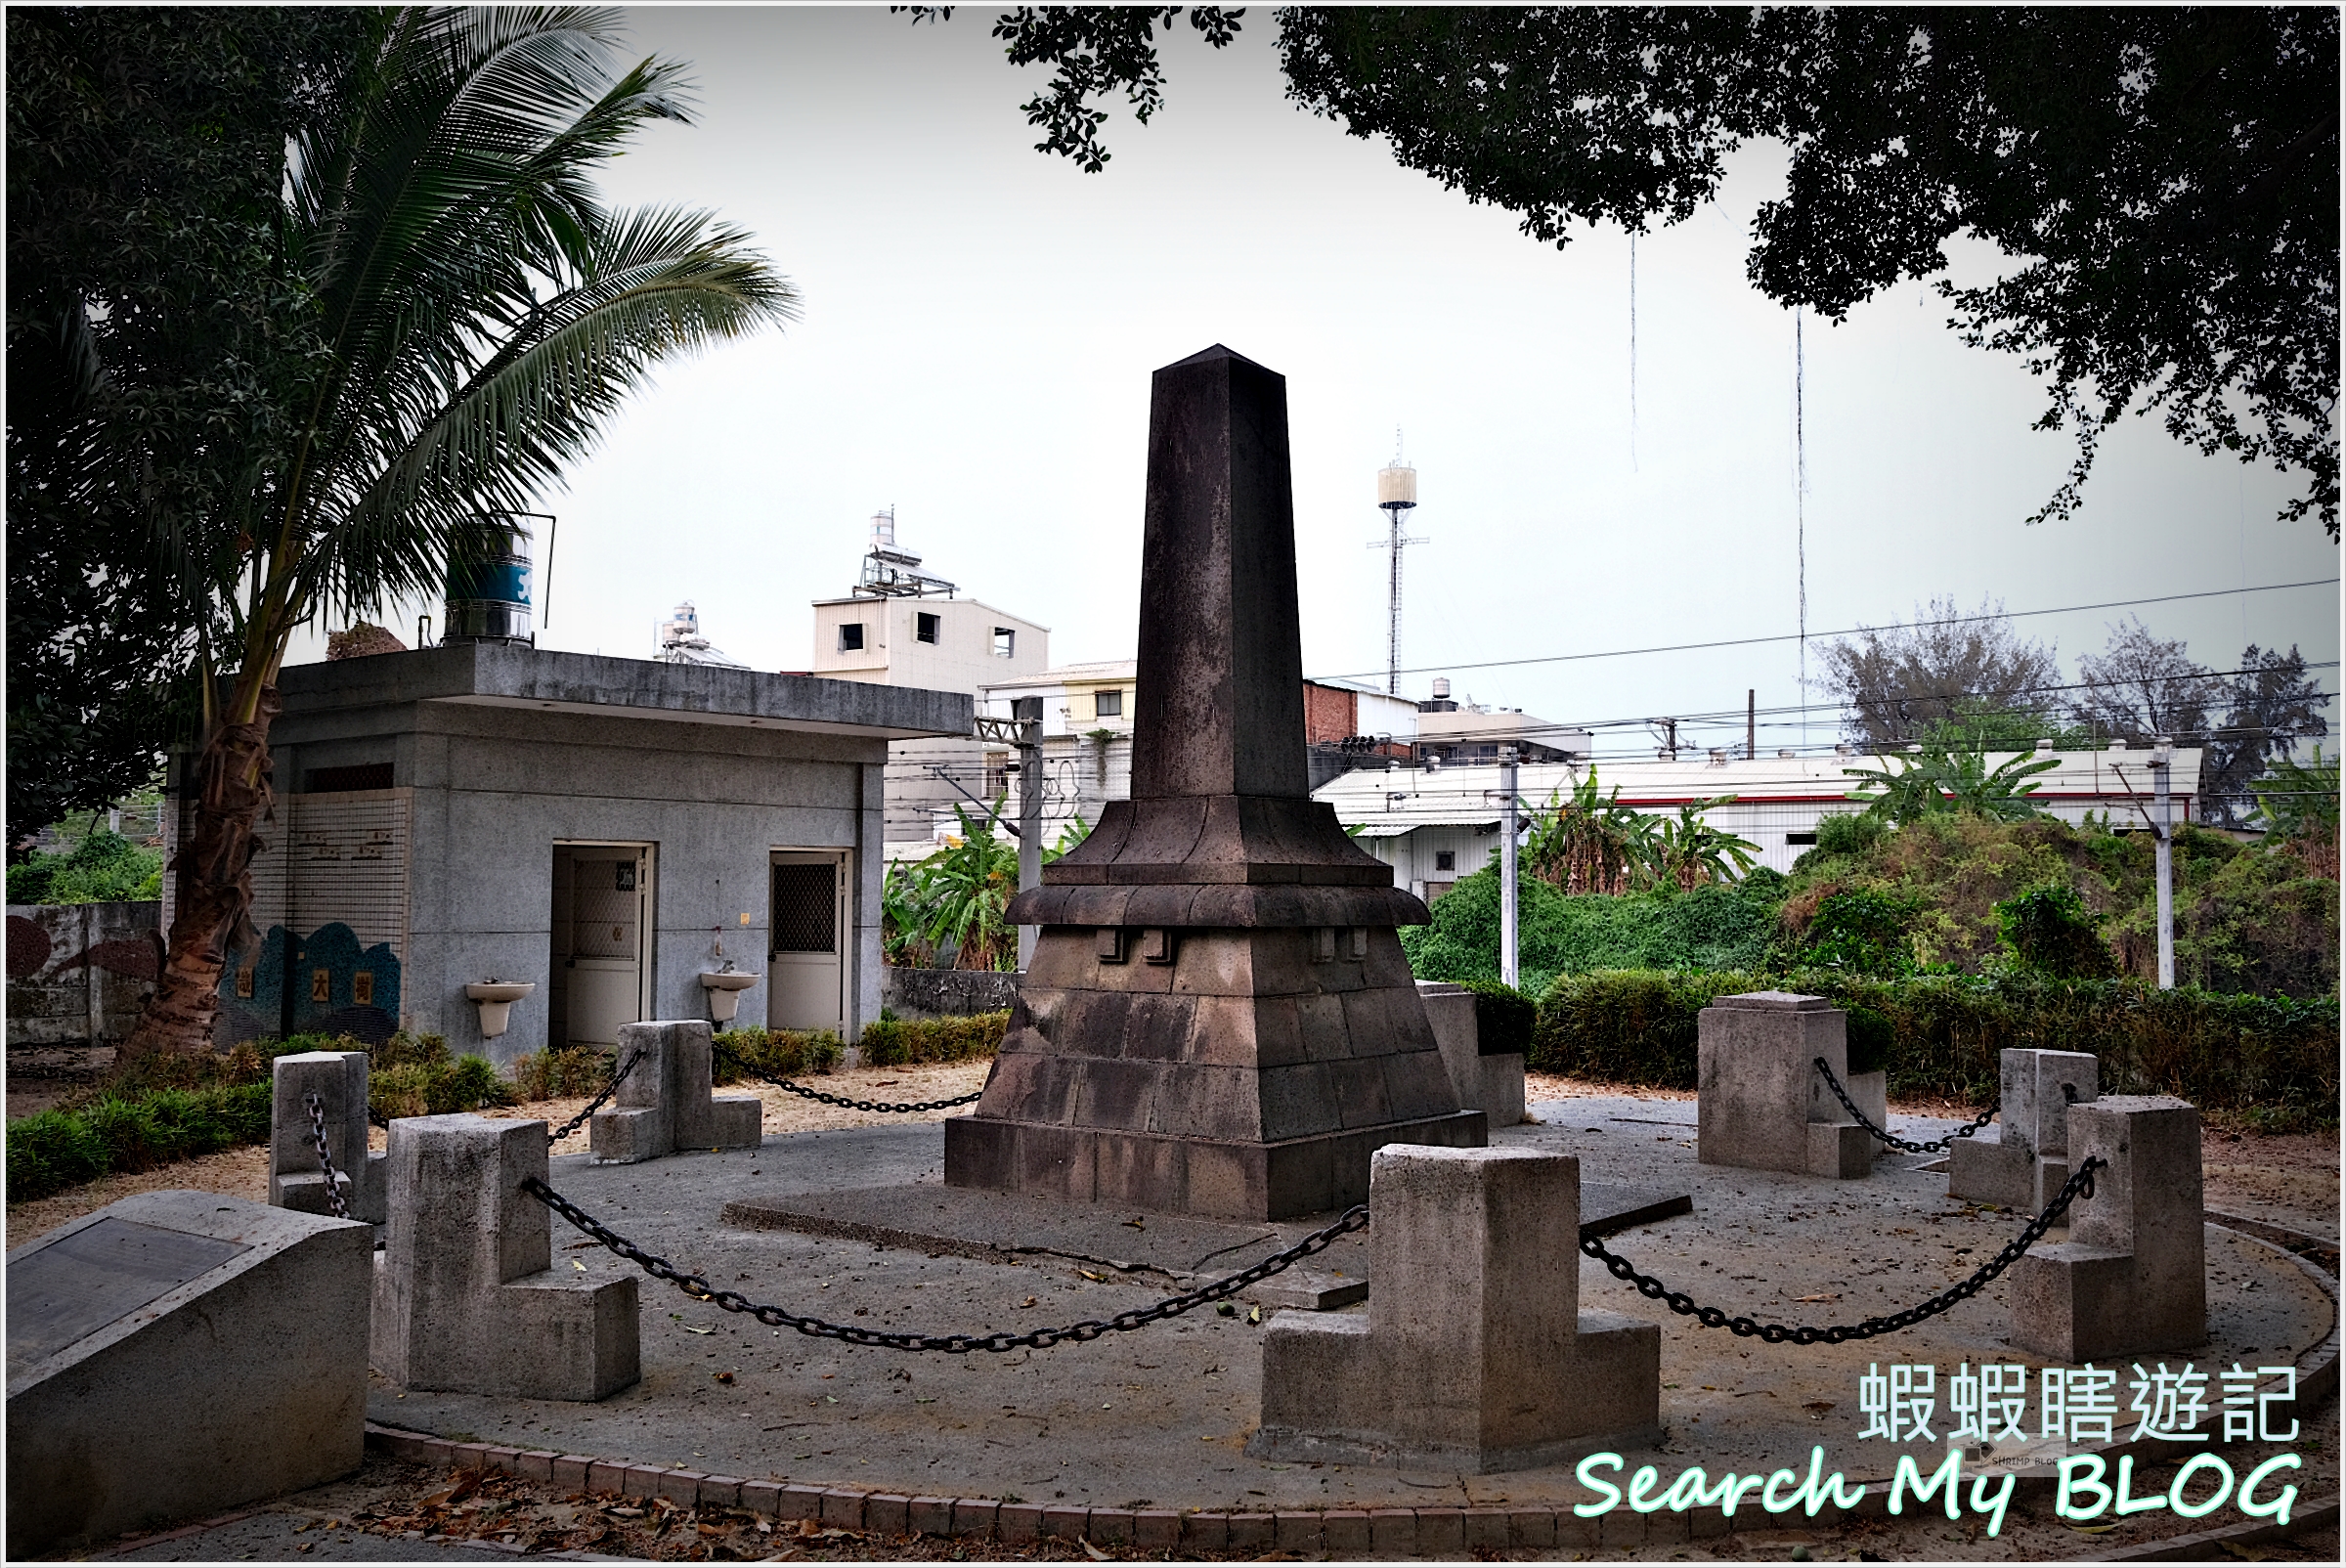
point(1218, 1018)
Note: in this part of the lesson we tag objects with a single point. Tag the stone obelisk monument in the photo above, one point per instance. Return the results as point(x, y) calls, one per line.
point(1218, 1019)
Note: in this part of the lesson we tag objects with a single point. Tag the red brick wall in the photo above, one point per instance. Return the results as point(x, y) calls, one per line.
point(1329, 714)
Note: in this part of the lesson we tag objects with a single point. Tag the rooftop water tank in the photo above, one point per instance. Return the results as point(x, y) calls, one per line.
point(489, 581)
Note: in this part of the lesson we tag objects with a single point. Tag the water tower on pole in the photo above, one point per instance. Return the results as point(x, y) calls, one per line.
point(1395, 494)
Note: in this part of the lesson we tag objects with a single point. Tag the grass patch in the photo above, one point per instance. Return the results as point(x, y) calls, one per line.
point(175, 1106)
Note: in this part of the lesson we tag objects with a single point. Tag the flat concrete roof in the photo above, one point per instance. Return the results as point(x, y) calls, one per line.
point(492, 675)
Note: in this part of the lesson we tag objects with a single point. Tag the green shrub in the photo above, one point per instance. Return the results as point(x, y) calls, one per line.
point(59, 1149)
point(1843, 833)
point(899, 1043)
point(1863, 931)
point(561, 1072)
point(1504, 1019)
point(2049, 930)
point(1632, 1026)
point(1713, 926)
point(49, 1151)
point(103, 868)
point(749, 1051)
point(1871, 1040)
point(173, 1106)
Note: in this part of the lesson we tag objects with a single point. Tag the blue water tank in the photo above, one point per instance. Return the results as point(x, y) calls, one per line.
point(488, 581)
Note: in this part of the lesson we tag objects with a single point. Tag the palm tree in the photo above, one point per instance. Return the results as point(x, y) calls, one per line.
point(483, 315)
point(962, 892)
point(1690, 851)
point(1940, 781)
point(1590, 842)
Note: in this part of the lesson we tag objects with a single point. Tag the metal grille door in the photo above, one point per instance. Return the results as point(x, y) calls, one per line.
point(806, 909)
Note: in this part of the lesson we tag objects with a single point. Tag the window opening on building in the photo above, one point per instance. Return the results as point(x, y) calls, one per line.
point(1005, 640)
point(1107, 705)
point(926, 625)
point(1446, 859)
point(1797, 838)
point(851, 636)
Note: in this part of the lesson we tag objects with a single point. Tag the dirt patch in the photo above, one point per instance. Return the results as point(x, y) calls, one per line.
point(238, 1172)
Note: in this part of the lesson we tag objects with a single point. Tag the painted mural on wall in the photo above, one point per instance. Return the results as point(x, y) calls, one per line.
point(338, 987)
point(79, 974)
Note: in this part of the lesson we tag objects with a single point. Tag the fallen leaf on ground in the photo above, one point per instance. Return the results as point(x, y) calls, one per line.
point(690, 1330)
point(1830, 1296)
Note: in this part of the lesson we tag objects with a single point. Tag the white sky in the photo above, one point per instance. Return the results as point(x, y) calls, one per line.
point(981, 321)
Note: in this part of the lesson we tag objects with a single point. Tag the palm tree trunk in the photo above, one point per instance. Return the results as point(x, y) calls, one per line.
point(214, 868)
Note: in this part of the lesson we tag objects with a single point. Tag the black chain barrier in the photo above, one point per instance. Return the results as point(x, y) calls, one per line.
point(2079, 1184)
point(1937, 1145)
point(555, 1135)
point(325, 1159)
point(789, 1087)
point(699, 1288)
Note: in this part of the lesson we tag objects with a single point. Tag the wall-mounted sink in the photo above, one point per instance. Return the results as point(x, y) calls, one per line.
point(724, 987)
point(497, 999)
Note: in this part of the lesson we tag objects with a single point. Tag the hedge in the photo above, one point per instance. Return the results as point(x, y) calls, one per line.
point(1504, 1019)
point(897, 1042)
point(2218, 1050)
point(751, 1052)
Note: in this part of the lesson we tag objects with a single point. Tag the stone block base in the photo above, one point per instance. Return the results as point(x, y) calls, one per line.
point(1841, 1150)
point(1617, 1375)
point(1166, 1175)
point(1984, 1169)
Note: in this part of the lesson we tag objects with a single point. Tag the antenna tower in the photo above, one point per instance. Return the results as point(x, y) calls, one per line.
point(1396, 493)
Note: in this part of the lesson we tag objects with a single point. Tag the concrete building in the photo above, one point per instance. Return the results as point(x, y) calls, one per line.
point(901, 627)
point(1087, 738)
point(1087, 742)
point(1435, 824)
point(601, 831)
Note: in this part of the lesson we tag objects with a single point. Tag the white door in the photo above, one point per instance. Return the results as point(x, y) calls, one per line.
point(805, 969)
point(607, 909)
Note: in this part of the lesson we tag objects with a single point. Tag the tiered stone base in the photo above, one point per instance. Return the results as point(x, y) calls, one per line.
point(1169, 1175)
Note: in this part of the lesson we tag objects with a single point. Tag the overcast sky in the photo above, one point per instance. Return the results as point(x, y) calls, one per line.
point(981, 321)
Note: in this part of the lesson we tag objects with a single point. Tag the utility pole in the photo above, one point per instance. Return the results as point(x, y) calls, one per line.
point(1027, 713)
point(1751, 723)
point(1508, 865)
point(2162, 832)
point(1395, 494)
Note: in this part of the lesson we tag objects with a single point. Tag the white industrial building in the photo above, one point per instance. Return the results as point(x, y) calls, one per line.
point(1436, 824)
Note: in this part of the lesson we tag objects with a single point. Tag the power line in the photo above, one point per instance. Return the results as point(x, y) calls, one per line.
point(1845, 632)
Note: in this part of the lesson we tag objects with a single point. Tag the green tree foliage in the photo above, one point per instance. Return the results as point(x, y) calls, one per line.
point(2165, 180)
point(105, 867)
point(481, 315)
point(2299, 801)
point(952, 904)
point(1714, 926)
point(2252, 918)
point(154, 321)
point(1948, 678)
point(1932, 782)
point(2050, 931)
point(1588, 842)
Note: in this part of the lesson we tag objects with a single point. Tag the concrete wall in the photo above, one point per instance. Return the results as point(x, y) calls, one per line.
point(917, 993)
point(78, 973)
